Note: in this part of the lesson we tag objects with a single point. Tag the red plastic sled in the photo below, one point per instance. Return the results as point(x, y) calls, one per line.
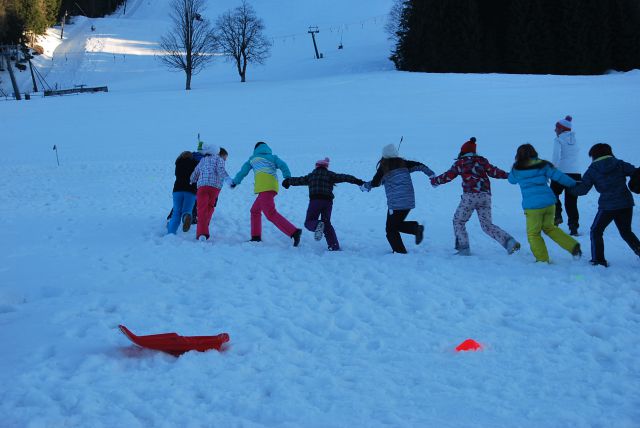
point(174, 344)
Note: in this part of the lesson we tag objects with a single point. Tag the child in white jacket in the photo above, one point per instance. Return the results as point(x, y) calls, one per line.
point(565, 158)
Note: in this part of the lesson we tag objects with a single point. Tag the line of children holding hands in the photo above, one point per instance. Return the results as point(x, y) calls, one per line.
point(539, 201)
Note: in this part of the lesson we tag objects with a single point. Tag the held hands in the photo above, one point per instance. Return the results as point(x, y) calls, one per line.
point(432, 179)
point(364, 187)
point(285, 183)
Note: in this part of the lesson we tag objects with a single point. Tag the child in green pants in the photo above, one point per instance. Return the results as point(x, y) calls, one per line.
point(538, 201)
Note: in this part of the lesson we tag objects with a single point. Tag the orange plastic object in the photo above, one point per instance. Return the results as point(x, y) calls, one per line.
point(469, 345)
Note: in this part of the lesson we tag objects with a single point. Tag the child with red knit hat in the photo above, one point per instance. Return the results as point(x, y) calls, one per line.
point(475, 171)
point(321, 182)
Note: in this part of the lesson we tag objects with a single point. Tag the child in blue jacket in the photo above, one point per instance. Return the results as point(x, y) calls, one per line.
point(539, 201)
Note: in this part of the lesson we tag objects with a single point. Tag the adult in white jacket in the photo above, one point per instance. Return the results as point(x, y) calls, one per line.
point(565, 158)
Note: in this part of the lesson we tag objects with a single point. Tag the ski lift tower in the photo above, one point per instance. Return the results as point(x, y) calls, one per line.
point(313, 31)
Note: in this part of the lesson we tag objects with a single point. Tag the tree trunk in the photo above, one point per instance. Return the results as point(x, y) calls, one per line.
point(243, 73)
point(188, 88)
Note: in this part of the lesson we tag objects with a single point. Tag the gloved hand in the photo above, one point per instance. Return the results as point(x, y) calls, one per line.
point(433, 182)
point(285, 183)
point(233, 184)
point(364, 188)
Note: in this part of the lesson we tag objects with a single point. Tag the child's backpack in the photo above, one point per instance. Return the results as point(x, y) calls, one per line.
point(634, 181)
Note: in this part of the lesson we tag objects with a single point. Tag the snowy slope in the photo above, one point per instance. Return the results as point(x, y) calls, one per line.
point(318, 339)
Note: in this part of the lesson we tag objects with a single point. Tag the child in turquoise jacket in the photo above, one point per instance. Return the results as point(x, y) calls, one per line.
point(538, 201)
point(265, 166)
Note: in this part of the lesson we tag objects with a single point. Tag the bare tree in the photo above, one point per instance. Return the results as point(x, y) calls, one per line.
point(240, 36)
point(190, 44)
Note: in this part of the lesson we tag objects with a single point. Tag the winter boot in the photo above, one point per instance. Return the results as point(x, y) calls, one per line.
point(419, 234)
point(576, 252)
point(296, 237)
point(203, 238)
point(186, 222)
point(256, 239)
point(317, 234)
point(599, 263)
point(573, 230)
point(512, 246)
point(557, 221)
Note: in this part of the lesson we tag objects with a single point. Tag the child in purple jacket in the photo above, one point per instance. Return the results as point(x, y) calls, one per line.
point(321, 182)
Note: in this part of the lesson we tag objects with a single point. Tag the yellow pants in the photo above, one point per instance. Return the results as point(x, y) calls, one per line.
point(542, 220)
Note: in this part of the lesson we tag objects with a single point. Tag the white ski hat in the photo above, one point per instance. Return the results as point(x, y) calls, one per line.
point(390, 151)
point(210, 149)
point(565, 124)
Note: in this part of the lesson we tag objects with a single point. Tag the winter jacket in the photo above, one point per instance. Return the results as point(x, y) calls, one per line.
point(184, 169)
point(210, 172)
point(475, 172)
point(609, 176)
point(265, 166)
point(534, 183)
point(634, 182)
point(321, 182)
point(566, 152)
point(397, 182)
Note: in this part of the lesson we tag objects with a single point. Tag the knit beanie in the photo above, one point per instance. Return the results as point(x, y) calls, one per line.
point(469, 146)
point(564, 124)
point(324, 163)
point(390, 151)
point(209, 149)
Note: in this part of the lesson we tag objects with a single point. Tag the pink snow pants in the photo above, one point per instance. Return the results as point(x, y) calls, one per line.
point(265, 204)
point(207, 197)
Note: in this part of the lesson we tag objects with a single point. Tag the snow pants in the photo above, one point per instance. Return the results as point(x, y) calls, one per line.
point(570, 203)
point(395, 224)
point(320, 210)
point(480, 202)
point(265, 204)
point(622, 218)
point(207, 198)
point(182, 204)
point(542, 220)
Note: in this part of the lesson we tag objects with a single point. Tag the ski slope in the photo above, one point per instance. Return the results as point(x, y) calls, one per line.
point(357, 338)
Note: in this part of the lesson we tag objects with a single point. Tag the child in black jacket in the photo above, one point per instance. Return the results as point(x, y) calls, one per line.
point(321, 182)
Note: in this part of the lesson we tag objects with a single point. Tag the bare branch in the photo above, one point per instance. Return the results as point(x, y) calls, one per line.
point(240, 35)
point(191, 42)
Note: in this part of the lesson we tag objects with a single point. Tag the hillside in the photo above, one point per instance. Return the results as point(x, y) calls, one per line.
point(360, 337)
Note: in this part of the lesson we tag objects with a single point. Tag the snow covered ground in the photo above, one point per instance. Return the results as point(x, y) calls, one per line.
point(318, 339)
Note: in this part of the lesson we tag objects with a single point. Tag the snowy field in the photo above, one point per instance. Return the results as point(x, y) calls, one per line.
point(357, 338)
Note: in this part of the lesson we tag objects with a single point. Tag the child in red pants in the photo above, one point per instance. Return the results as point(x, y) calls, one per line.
point(210, 175)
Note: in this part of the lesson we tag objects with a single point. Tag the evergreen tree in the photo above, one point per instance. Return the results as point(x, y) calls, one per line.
point(518, 36)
